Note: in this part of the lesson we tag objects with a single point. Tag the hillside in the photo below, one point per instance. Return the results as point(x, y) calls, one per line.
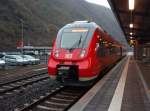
point(43, 18)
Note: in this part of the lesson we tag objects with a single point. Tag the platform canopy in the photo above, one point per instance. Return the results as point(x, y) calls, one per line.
point(139, 18)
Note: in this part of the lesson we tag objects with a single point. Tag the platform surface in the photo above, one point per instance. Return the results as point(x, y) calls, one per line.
point(122, 89)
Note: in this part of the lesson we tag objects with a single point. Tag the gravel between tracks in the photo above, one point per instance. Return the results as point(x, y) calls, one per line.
point(20, 72)
point(9, 102)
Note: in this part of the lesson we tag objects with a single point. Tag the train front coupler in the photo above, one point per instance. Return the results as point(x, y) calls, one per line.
point(67, 73)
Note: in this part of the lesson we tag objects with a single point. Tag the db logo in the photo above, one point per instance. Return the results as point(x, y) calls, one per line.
point(68, 56)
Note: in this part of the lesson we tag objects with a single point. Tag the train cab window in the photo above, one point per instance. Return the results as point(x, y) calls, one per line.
point(73, 39)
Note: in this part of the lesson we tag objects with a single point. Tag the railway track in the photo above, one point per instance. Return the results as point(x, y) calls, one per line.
point(56, 100)
point(23, 82)
point(11, 75)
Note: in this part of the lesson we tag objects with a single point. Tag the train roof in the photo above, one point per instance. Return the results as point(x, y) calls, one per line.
point(82, 24)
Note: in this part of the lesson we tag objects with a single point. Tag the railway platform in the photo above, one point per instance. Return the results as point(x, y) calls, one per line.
point(125, 88)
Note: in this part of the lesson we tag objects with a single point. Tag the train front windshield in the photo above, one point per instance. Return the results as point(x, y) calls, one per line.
point(73, 38)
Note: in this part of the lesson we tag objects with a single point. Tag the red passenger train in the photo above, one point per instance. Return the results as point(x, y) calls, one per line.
point(81, 51)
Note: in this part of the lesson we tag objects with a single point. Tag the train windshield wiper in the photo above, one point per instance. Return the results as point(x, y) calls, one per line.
point(76, 44)
point(79, 41)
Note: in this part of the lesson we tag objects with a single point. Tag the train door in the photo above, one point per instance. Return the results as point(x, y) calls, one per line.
point(100, 50)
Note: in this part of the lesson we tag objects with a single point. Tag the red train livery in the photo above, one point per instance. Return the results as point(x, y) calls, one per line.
point(81, 51)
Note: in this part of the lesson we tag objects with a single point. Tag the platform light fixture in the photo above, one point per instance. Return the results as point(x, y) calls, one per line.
point(131, 4)
point(131, 25)
point(131, 33)
point(131, 37)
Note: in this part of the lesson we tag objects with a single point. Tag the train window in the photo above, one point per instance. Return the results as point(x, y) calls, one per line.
point(101, 48)
point(113, 49)
point(98, 50)
point(106, 47)
point(110, 48)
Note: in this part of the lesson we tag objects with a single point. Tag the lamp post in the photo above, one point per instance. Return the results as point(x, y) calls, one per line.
point(22, 35)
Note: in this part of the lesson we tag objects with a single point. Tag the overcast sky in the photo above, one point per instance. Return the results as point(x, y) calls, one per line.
point(100, 2)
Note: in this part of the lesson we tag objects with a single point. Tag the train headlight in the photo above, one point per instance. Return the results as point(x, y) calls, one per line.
point(56, 53)
point(82, 54)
